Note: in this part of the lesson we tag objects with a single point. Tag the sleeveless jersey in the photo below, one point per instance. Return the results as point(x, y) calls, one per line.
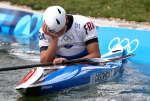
point(71, 44)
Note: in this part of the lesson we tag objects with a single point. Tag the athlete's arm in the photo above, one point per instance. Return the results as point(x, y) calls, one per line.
point(93, 50)
point(90, 38)
point(49, 54)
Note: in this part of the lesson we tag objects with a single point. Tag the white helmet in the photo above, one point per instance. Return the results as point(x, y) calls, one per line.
point(55, 18)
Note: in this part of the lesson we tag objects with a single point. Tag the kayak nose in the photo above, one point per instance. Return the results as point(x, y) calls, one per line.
point(22, 91)
point(31, 84)
point(28, 80)
point(31, 91)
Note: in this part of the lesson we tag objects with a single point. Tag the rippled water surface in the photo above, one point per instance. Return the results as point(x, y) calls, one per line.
point(131, 84)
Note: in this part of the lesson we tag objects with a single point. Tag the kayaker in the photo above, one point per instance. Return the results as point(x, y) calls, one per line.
point(64, 37)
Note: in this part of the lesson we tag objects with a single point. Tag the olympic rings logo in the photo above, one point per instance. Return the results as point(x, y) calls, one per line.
point(127, 46)
point(66, 38)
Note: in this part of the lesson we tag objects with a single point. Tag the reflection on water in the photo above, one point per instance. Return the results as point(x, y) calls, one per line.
point(20, 47)
point(131, 84)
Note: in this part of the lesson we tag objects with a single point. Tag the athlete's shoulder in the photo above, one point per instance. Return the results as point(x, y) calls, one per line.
point(81, 18)
point(87, 27)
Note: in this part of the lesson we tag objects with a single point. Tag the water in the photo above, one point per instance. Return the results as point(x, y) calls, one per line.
point(131, 84)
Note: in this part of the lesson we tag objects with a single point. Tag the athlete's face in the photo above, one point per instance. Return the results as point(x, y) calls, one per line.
point(62, 31)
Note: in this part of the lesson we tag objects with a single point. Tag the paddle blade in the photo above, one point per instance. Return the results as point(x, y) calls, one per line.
point(121, 58)
point(107, 60)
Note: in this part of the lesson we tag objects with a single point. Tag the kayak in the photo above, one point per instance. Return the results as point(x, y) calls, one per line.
point(40, 81)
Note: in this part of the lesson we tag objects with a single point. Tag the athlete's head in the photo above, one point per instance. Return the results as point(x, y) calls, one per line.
point(55, 18)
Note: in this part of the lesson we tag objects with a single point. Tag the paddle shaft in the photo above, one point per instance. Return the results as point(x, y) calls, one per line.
point(42, 65)
point(89, 60)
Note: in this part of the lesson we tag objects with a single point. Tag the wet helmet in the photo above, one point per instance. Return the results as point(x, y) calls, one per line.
point(55, 18)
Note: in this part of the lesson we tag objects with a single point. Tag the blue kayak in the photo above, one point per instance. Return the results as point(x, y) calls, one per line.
point(40, 81)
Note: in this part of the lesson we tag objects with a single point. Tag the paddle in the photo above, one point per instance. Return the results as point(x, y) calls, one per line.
point(90, 60)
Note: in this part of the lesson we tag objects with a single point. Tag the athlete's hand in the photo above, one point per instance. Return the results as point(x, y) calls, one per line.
point(59, 60)
point(45, 29)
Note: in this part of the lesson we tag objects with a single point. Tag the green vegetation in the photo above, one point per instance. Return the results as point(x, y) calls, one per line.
point(132, 10)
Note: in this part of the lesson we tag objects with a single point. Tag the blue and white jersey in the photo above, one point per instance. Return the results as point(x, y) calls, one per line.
point(72, 44)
